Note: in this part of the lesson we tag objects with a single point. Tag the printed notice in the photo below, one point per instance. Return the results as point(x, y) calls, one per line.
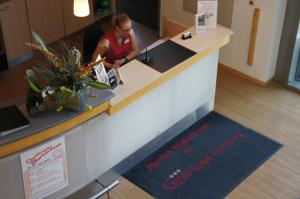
point(210, 10)
point(45, 169)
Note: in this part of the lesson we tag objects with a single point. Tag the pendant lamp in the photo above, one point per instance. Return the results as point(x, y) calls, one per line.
point(81, 8)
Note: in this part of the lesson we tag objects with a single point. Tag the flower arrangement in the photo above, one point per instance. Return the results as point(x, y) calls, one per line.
point(63, 79)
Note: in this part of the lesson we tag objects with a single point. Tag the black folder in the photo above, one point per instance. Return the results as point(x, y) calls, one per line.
point(12, 120)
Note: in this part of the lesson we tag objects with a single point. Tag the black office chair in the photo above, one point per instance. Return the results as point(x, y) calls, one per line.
point(90, 41)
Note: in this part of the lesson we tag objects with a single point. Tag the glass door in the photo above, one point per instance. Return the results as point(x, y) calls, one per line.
point(297, 76)
point(294, 77)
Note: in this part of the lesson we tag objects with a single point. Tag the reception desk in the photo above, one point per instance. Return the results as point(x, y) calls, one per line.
point(145, 107)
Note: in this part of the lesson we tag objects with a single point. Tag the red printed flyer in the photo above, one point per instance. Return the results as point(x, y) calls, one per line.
point(45, 169)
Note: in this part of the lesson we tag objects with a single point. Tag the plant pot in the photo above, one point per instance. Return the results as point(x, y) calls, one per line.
point(75, 101)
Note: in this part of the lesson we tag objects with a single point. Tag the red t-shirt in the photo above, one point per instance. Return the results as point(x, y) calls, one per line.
point(116, 51)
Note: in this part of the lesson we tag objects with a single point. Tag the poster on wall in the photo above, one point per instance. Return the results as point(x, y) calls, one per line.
point(210, 10)
point(45, 169)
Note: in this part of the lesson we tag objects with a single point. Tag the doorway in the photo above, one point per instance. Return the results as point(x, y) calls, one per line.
point(287, 67)
point(144, 12)
point(3, 59)
point(145, 15)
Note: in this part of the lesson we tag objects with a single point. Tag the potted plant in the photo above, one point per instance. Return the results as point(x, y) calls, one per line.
point(63, 79)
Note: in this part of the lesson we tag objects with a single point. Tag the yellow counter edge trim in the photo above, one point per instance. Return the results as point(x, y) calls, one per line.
point(37, 138)
point(167, 76)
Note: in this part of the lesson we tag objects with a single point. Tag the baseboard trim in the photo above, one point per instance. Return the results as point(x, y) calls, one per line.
point(20, 60)
point(228, 69)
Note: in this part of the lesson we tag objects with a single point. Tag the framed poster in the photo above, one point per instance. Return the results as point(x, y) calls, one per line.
point(44, 169)
point(210, 10)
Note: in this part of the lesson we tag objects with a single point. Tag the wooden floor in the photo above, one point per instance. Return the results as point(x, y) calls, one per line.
point(273, 111)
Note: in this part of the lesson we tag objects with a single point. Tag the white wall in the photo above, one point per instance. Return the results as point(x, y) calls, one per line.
point(268, 38)
point(235, 53)
point(173, 10)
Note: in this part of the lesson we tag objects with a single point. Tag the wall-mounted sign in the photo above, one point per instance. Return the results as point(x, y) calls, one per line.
point(45, 169)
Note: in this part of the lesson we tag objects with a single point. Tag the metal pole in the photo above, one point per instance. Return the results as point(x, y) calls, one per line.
point(106, 189)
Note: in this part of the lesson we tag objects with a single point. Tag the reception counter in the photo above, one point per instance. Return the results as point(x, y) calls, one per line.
point(141, 79)
point(146, 106)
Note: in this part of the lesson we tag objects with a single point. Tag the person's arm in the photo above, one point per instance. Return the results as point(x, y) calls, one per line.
point(101, 49)
point(135, 49)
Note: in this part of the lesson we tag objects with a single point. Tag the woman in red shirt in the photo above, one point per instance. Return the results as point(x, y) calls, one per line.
point(118, 45)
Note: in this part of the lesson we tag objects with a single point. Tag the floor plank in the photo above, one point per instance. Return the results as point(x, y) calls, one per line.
point(126, 190)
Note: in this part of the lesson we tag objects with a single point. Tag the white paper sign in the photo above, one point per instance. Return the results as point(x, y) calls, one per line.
point(200, 23)
point(210, 9)
point(101, 72)
point(45, 169)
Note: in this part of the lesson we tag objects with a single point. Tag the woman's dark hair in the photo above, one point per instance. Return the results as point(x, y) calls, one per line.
point(120, 19)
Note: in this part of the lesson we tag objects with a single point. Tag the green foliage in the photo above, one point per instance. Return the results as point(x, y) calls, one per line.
point(63, 78)
point(38, 40)
point(32, 81)
point(98, 85)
